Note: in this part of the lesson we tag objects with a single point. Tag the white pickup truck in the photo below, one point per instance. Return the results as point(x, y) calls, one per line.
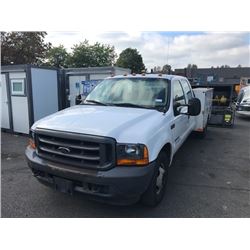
point(116, 145)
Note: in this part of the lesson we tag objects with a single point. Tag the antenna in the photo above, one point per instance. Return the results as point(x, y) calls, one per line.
point(168, 50)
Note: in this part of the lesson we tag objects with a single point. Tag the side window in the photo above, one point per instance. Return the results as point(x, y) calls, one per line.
point(178, 94)
point(17, 87)
point(187, 90)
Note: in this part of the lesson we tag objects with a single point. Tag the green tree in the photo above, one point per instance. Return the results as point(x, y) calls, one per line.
point(23, 47)
point(57, 57)
point(97, 55)
point(191, 68)
point(225, 66)
point(166, 69)
point(130, 58)
point(157, 69)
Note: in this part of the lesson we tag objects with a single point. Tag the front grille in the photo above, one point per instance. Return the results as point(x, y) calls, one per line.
point(243, 108)
point(73, 149)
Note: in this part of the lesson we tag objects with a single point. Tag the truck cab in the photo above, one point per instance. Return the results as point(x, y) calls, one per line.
point(118, 144)
point(243, 102)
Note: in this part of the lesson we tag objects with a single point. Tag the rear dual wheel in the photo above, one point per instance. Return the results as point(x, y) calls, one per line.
point(204, 132)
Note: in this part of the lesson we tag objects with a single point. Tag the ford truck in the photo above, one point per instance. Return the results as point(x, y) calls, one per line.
point(118, 144)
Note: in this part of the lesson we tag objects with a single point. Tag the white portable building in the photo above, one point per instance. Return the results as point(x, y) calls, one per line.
point(28, 93)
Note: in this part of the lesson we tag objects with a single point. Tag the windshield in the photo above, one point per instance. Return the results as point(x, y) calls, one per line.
point(138, 92)
point(244, 94)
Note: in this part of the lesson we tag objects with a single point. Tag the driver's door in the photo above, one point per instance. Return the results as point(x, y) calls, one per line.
point(179, 125)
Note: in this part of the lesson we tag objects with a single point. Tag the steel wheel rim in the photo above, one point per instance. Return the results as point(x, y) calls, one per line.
point(160, 178)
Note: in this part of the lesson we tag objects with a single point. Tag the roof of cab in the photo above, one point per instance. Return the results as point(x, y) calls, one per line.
point(154, 76)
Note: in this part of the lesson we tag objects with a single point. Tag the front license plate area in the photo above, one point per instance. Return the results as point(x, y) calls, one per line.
point(63, 185)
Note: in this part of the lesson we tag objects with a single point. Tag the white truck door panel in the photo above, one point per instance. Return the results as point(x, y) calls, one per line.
point(180, 121)
point(179, 130)
point(191, 121)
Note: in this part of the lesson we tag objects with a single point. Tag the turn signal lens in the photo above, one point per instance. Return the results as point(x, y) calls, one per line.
point(144, 160)
point(32, 143)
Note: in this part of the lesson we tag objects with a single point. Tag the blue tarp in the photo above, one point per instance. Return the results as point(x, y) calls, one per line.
point(89, 85)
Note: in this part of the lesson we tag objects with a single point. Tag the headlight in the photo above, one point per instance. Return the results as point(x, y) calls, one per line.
point(32, 140)
point(132, 154)
point(246, 101)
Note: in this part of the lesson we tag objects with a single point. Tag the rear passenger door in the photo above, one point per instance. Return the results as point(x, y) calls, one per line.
point(179, 125)
point(188, 95)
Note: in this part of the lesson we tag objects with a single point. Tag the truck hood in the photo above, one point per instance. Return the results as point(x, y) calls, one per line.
point(123, 124)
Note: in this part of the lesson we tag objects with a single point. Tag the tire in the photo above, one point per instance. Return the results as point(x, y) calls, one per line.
point(203, 134)
point(157, 186)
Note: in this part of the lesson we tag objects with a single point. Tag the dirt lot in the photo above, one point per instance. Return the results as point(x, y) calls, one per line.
point(208, 178)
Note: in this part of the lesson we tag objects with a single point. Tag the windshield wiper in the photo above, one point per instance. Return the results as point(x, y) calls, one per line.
point(95, 102)
point(126, 104)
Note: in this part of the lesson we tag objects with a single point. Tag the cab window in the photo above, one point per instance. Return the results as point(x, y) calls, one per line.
point(178, 97)
point(187, 90)
point(178, 94)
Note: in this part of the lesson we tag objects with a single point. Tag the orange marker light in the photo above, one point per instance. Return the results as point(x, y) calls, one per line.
point(32, 144)
point(140, 162)
point(199, 129)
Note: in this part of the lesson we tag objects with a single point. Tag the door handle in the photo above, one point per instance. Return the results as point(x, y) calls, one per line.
point(172, 126)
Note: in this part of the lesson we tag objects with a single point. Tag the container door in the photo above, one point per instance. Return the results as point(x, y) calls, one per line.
point(19, 101)
point(75, 88)
point(5, 112)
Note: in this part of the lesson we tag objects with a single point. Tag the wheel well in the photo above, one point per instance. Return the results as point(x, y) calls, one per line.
point(167, 148)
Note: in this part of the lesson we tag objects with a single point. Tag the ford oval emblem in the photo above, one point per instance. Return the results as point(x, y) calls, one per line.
point(64, 150)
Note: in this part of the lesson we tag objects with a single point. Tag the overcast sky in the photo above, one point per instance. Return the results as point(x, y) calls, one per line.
point(178, 49)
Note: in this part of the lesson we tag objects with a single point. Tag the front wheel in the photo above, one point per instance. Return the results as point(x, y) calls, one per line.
point(157, 187)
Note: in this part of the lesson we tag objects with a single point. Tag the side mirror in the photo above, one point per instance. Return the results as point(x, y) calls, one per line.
point(180, 109)
point(194, 107)
point(176, 108)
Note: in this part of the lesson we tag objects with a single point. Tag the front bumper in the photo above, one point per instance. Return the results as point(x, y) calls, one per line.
point(119, 185)
point(243, 109)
